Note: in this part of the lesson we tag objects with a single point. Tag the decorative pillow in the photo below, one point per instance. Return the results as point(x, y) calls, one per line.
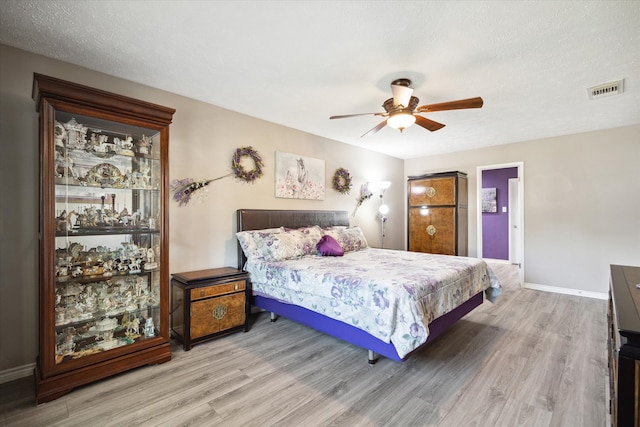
point(291, 244)
point(327, 246)
point(335, 227)
point(349, 239)
point(253, 241)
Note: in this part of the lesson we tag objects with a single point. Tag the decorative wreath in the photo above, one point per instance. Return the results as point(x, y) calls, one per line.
point(184, 189)
point(342, 181)
point(242, 173)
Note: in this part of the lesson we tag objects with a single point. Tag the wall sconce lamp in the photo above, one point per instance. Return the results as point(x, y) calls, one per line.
point(383, 186)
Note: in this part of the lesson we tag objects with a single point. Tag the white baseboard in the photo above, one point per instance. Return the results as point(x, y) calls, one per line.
point(567, 291)
point(16, 373)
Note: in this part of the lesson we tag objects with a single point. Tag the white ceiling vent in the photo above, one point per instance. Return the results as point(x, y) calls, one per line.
point(606, 89)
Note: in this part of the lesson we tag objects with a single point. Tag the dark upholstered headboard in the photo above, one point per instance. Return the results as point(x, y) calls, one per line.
point(258, 219)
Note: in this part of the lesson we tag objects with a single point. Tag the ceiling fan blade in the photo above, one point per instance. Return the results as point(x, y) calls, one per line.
point(428, 124)
point(452, 105)
point(355, 115)
point(375, 129)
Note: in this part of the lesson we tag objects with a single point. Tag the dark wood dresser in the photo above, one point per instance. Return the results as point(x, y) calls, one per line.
point(624, 346)
point(209, 303)
point(438, 213)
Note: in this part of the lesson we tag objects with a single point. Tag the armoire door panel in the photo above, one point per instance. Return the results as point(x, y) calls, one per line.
point(431, 192)
point(432, 230)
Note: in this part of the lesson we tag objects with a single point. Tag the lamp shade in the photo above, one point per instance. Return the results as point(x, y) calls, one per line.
point(401, 120)
point(401, 95)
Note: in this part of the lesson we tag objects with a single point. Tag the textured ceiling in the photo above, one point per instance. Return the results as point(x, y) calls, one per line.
point(297, 63)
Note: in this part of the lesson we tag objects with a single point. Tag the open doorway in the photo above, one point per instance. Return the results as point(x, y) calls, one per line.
point(500, 195)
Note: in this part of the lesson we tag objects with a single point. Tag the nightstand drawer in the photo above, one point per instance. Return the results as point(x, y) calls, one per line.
point(217, 314)
point(214, 290)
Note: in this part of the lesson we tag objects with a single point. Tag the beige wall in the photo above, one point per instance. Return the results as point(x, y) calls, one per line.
point(582, 209)
point(203, 138)
point(581, 203)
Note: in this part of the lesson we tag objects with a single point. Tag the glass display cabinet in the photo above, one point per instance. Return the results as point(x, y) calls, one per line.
point(103, 235)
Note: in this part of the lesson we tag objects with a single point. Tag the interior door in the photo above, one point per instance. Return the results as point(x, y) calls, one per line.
point(514, 221)
point(516, 212)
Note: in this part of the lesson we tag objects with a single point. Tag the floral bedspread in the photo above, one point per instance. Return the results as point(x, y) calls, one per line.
point(393, 295)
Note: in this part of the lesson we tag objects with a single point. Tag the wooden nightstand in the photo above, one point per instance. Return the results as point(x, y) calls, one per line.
point(209, 303)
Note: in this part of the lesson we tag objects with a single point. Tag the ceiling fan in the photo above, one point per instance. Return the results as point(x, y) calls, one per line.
point(402, 110)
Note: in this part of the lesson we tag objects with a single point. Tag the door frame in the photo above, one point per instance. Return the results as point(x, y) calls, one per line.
point(520, 249)
point(514, 216)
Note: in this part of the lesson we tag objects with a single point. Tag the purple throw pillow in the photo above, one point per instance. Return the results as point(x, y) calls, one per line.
point(328, 246)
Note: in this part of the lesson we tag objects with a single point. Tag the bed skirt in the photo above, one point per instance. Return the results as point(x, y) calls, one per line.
point(357, 336)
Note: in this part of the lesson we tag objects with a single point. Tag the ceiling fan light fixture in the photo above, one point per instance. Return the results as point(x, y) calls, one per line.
point(401, 95)
point(401, 110)
point(401, 120)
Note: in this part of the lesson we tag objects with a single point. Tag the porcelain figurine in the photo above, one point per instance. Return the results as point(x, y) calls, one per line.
point(77, 272)
point(67, 346)
point(133, 328)
point(60, 134)
point(124, 146)
point(149, 328)
point(65, 166)
point(134, 266)
point(76, 134)
point(144, 145)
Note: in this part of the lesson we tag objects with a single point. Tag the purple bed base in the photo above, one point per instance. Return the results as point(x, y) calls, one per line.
point(357, 336)
point(256, 219)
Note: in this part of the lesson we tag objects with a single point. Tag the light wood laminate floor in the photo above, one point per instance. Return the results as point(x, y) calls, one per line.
point(532, 358)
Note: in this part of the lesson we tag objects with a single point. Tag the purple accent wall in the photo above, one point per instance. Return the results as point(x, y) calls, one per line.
point(495, 226)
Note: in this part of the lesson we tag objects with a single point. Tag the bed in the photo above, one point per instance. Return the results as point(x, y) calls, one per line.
point(385, 322)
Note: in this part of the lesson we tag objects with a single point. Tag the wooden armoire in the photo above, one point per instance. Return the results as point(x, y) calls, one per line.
point(438, 213)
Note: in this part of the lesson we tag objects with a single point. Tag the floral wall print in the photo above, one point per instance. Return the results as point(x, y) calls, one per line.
point(299, 177)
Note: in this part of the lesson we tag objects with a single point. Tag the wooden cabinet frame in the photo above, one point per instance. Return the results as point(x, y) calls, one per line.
point(624, 346)
point(209, 303)
point(438, 213)
point(54, 96)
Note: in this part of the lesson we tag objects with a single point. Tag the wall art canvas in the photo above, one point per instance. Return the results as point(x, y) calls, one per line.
point(489, 200)
point(299, 177)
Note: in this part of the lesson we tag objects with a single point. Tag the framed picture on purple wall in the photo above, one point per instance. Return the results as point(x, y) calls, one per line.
point(489, 200)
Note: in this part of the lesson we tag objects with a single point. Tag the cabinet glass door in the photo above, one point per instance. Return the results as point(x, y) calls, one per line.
point(107, 208)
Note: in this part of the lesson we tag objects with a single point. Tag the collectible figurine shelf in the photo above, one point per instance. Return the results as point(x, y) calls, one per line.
point(104, 272)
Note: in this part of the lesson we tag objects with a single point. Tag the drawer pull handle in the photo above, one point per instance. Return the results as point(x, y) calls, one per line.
point(431, 230)
point(201, 292)
point(431, 191)
point(219, 311)
point(236, 287)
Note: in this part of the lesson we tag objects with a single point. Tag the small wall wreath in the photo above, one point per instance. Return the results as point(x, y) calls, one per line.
point(239, 171)
point(342, 181)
